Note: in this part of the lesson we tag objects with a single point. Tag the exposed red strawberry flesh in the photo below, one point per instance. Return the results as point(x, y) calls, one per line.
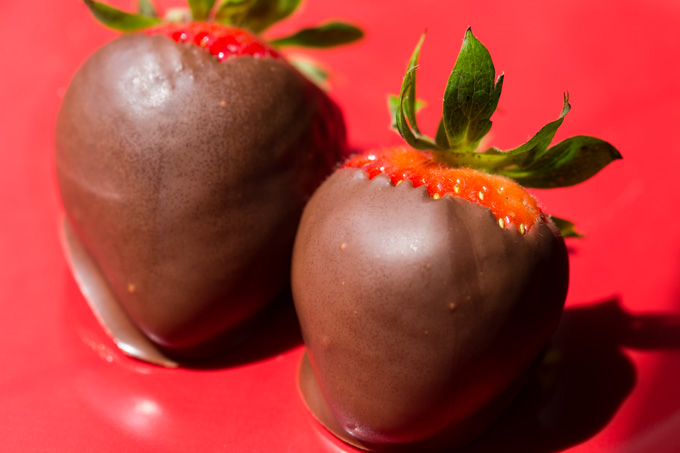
point(222, 41)
point(509, 202)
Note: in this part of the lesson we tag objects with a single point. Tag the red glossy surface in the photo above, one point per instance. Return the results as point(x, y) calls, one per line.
point(612, 387)
point(222, 42)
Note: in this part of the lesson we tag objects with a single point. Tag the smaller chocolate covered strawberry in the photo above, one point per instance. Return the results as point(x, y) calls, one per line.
point(426, 279)
point(185, 152)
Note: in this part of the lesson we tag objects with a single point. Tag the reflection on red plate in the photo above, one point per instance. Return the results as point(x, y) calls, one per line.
point(609, 382)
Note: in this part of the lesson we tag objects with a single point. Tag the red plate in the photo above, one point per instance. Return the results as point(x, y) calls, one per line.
point(613, 386)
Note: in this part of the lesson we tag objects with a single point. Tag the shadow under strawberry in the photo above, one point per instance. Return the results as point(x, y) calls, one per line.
point(278, 322)
point(583, 380)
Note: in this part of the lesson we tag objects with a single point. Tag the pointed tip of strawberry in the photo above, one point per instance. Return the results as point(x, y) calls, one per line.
point(223, 42)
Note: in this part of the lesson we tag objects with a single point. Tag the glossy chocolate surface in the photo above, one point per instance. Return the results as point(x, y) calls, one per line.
point(420, 316)
point(185, 178)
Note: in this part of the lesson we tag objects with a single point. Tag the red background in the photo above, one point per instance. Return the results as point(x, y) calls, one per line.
point(614, 385)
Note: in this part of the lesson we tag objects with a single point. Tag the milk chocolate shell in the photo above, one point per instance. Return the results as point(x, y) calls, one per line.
point(421, 317)
point(183, 179)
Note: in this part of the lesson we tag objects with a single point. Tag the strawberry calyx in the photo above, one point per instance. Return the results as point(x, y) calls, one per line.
point(223, 42)
point(249, 16)
point(470, 99)
point(509, 202)
point(256, 16)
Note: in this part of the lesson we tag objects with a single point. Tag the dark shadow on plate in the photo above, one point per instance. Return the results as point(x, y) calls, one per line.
point(583, 380)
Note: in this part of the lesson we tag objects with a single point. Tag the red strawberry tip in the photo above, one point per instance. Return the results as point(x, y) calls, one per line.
point(222, 41)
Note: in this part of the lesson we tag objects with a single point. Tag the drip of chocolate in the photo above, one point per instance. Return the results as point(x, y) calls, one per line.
point(184, 179)
point(421, 317)
point(104, 304)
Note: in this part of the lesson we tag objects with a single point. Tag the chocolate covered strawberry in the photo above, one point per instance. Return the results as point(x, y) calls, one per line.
point(185, 152)
point(426, 279)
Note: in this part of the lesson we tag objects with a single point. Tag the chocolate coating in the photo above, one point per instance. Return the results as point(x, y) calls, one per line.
point(421, 317)
point(185, 179)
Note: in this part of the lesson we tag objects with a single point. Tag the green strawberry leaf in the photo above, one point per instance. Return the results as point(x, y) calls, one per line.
point(200, 9)
point(393, 106)
point(494, 160)
point(393, 103)
point(567, 228)
point(146, 8)
point(470, 99)
point(256, 15)
point(120, 20)
point(408, 89)
point(533, 164)
point(326, 35)
point(441, 138)
point(232, 12)
point(568, 163)
point(540, 142)
point(471, 95)
point(404, 115)
point(311, 69)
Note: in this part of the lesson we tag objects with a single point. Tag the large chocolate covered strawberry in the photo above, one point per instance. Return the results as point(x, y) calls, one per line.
point(426, 279)
point(185, 154)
